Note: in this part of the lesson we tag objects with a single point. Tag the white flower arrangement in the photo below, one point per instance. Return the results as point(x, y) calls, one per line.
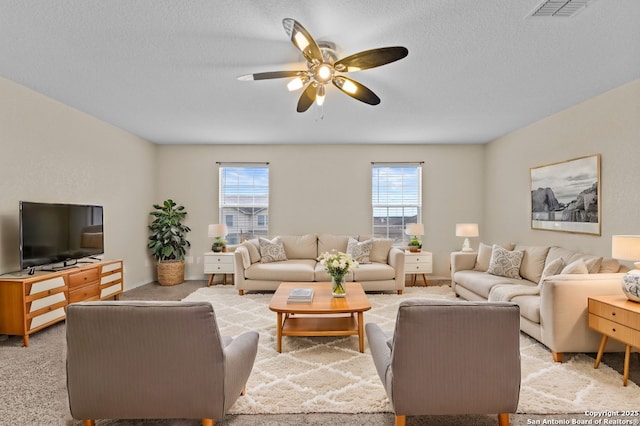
point(337, 263)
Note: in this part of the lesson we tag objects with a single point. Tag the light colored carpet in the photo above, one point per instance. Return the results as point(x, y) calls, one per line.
point(328, 374)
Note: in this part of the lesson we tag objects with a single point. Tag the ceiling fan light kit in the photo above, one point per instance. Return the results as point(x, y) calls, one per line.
point(322, 68)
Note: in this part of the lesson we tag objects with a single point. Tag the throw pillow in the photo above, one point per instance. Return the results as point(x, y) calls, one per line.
point(380, 250)
point(575, 267)
point(609, 266)
point(553, 268)
point(593, 265)
point(359, 251)
point(505, 263)
point(484, 257)
point(271, 251)
point(253, 246)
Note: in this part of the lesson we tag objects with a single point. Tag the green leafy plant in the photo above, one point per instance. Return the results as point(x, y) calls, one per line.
point(168, 239)
point(415, 242)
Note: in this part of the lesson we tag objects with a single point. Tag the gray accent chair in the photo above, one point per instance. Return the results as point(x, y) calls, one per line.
point(449, 357)
point(153, 360)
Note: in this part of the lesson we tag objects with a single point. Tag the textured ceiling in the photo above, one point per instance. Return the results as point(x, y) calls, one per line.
point(166, 70)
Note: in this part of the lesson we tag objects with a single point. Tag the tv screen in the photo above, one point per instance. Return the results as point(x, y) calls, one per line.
point(53, 233)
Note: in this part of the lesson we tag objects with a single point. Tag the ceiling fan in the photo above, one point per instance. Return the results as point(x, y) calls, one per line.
point(323, 67)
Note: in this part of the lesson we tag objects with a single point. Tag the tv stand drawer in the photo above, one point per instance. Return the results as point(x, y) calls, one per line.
point(78, 279)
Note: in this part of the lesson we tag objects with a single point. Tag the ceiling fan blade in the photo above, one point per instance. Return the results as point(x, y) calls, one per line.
point(306, 98)
point(270, 75)
point(356, 90)
point(301, 38)
point(371, 58)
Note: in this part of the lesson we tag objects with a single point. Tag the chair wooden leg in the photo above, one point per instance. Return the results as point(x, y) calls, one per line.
point(503, 419)
point(207, 422)
point(243, 392)
point(89, 422)
point(401, 420)
point(399, 292)
point(557, 356)
point(240, 292)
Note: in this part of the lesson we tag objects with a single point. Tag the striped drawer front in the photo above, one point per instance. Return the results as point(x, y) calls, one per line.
point(107, 291)
point(47, 318)
point(111, 278)
point(47, 301)
point(111, 267)
point(46, 285)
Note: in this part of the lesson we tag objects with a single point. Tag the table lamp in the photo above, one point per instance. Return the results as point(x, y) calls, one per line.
point(414, 229)
point(627, 247)
point(467, 230)
point(218, 231)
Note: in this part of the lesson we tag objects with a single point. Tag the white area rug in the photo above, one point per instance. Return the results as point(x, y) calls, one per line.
point(329, 374)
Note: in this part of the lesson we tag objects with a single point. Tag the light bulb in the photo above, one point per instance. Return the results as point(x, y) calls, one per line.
point(301, 41)
point(349, 87)
point(320, 95)
point(324, 72)
point(294, 84)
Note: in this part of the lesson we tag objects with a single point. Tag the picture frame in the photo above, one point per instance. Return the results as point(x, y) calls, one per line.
point(565, 196)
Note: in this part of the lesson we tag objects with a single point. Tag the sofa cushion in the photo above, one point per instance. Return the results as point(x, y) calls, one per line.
point(576, 267)
point(359, 251)
point(533, 259)
point(505, 263)
point(373, 272)
point(380, 249)
point(481, 283)
point(328, 242)
point(320, 274)
point(253, 246)
point(287, 270)
point(529, 307)
point(300, 246)
point(271, 250)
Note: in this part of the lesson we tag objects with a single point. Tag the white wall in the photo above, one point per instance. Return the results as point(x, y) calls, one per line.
point(326, 188)
point(53, 153)
point(609, 125)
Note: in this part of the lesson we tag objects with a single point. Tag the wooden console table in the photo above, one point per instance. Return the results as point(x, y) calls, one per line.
point(29, 303)
point(617, 317)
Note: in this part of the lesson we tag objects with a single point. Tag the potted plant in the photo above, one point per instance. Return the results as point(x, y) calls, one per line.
point(415, 245)
point(168, 241)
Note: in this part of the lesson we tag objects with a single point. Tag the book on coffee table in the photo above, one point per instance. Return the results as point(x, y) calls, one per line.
point(300, 295)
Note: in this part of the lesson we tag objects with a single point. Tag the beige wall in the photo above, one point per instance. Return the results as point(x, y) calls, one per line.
point(53, 153)
point(326, 188)
point(608, 125)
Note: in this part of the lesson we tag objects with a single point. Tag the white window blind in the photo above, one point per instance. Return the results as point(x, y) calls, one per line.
point(244, 200)
point(396, 198)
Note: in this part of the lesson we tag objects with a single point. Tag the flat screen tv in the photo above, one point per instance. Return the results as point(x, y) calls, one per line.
point(59, 233)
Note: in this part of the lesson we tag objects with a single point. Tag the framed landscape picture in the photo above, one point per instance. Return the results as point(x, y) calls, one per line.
point(565, 196)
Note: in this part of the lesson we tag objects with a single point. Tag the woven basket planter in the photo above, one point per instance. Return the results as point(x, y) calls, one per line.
point(171, 272)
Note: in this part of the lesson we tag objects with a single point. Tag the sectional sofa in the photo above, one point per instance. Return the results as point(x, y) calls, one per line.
point(256, 269)
point(550, 284)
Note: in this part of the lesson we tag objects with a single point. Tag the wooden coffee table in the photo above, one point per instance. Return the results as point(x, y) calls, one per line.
point(324, 316)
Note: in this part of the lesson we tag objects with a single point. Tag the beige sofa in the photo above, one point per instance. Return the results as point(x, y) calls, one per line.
point(385, 272)
point(553, 304)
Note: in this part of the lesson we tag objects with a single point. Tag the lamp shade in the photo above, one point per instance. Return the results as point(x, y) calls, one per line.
point(625, 247)
point(218, 230)
point(414, 229)
point(467, 230)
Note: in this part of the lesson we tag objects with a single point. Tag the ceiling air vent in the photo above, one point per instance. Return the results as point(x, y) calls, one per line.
point(560, 8)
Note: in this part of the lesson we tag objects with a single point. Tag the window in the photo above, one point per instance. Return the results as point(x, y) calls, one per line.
point(396, 198)
point(244, 200)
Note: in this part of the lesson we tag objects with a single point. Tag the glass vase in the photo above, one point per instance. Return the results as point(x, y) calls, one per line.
point(338, 288)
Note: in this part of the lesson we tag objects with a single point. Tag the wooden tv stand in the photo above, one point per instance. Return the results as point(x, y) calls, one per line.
point(30, 303)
